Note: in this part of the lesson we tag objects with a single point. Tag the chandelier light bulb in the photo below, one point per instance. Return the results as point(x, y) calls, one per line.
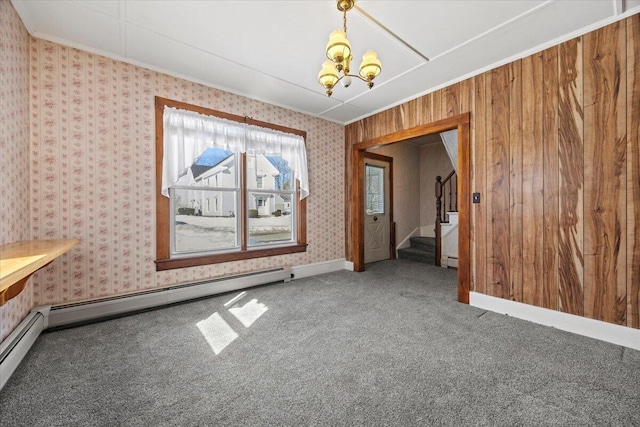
point(328, 76)
point(338, 47)
point(370, 66)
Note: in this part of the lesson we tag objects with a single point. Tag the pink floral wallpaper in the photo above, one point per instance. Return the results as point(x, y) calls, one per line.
point(93, 173)
point(14, 149)
point(78, 161)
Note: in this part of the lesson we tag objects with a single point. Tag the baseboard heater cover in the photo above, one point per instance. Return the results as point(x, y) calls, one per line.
point(70, 314)
point(15, 347)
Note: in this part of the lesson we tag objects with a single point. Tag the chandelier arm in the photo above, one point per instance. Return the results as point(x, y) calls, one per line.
point(348, 75)
point(342, 77)
point(368, 82)
point(354, 75)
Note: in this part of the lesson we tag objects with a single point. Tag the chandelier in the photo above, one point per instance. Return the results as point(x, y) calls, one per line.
point(338, 65)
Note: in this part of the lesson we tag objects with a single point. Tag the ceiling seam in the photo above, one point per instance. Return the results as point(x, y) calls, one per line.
point(618, 7)
point(391, 33)
point(224, 58)
point(497, 27)
point(336, 106)
point(108, 15)
point(520, 55)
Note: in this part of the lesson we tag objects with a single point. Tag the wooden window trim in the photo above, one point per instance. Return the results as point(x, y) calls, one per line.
point(163, 250)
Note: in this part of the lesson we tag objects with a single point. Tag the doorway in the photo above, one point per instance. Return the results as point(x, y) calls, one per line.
point(379, 241)
point(462, 124)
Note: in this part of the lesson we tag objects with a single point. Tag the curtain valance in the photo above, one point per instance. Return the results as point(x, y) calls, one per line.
point(188, 134)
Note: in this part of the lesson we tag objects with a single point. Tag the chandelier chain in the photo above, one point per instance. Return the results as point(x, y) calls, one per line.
point(344, 21)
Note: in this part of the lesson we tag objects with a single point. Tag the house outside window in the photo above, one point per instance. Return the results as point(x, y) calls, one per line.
point(256, 209)
point(375, 190)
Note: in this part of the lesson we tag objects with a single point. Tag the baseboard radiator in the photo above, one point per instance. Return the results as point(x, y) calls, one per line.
point(17, 344)
point(15, 347)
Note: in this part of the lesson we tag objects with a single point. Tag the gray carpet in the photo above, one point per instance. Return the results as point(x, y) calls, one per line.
point(388, 347)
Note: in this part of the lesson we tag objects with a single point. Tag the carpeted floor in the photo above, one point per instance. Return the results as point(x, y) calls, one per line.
point(387, 347)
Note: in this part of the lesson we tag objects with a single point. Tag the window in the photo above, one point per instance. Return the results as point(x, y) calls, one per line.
point(374, 182)
point(257, 208)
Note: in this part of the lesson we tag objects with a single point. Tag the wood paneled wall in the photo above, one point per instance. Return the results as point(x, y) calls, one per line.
point(554, 153)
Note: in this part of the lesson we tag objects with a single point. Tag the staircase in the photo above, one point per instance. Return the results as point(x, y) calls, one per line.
point(447, 222)
point(422, 249)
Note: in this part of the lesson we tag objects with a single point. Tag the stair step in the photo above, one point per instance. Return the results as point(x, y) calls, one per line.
point(419, 251)
point(419, 255)
point(424, 243)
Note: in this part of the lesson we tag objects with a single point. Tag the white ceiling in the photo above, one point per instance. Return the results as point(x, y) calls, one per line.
point(272, 50)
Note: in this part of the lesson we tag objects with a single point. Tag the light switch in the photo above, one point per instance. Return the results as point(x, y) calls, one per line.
point(476, 198)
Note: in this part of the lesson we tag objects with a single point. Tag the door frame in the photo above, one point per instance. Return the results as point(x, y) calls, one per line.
point(460, 122)
point(392, 227)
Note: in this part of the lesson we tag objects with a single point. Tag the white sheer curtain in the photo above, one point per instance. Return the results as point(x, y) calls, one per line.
point(450, 141)
point(188, 134)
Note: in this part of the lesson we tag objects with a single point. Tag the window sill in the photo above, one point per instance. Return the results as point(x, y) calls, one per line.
point(171, 263)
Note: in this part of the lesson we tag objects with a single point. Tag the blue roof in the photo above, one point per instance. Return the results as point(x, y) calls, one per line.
point(212, 156)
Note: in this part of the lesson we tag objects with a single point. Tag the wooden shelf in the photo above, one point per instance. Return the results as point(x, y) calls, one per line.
point(19, 260)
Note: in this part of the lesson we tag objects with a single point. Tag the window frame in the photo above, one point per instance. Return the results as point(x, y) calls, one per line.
point(163, 230)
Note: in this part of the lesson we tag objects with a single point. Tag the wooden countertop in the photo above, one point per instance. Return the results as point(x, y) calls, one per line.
point(19, 260)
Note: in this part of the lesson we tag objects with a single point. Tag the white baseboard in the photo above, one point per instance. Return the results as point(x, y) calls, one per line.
point(449, 262)
point(309, 270)
point(609, 332)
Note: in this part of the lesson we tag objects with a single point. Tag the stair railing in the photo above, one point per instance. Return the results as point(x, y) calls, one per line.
point(450, 183)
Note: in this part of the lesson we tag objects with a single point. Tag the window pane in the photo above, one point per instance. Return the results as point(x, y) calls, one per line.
point(268, 173)
point(204, 220)
point(374, 184)
point(271, 218)
point(213, 168)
